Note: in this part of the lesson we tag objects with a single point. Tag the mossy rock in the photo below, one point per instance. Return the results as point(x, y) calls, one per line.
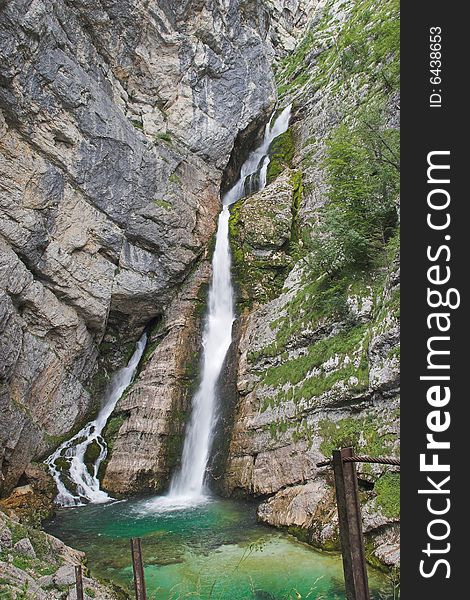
point(362, 434)
point(111, 430)
point(281, 153)
point(109, 435)
point(263, 237)
point(91, 455)
point(387, 488)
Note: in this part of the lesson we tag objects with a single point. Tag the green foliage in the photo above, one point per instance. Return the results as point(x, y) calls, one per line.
point(281, 153)
point(388, 494)
point(362, 434)
point(363, 176)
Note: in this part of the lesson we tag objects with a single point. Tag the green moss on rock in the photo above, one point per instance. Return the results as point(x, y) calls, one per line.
point(111, 430)
point(362, 434)
point(110, 434)
point(342, 345)
point(91, 455)
point(281, 153)
point(388, 494)
point(260, 235)
point(163, 203)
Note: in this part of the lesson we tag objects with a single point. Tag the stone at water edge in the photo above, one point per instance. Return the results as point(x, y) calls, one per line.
point(25, 547)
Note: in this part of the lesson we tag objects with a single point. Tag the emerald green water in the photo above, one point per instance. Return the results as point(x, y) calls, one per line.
point(215, 551)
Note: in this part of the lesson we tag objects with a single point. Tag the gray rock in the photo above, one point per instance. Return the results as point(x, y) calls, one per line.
point(14, 580)
point(5, 537)
point(25, 547)
point(65, 575)
point(113, 141)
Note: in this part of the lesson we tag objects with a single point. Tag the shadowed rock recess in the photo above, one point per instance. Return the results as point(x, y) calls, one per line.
point(119, 123)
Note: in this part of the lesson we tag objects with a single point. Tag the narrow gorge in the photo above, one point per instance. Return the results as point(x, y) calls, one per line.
point(199, 292)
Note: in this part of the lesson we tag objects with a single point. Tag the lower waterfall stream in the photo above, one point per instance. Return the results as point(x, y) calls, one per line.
point(195, 545)
point(72, 452)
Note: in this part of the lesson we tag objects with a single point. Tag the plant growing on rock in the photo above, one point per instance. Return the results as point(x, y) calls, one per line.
point(362, 167)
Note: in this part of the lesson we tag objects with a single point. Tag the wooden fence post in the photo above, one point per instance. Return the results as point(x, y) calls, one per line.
point(138, 565)
point(350, 526)
point(79, 581)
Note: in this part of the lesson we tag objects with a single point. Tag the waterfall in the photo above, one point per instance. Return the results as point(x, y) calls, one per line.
point(86, 484)
point(188, 483)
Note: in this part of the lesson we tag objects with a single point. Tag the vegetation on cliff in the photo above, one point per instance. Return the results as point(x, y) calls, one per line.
point(322, 354)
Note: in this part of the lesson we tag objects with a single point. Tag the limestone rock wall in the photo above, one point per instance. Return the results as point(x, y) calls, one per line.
point(116, 122)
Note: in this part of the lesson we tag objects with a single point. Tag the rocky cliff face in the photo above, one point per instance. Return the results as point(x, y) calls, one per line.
point(116, 122)
point(318, 354)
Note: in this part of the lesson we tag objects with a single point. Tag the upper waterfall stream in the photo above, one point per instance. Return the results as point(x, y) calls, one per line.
point(189, 483)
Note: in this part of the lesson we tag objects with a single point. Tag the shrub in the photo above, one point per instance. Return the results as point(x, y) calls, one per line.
point(362, 168)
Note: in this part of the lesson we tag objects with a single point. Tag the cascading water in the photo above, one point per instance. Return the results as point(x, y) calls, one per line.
point(188, 484)
point(87, 485)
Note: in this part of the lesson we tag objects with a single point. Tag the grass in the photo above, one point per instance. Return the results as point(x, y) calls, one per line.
point(165, 137)
point(163, 203)
point(387, 488)
point(362, 434)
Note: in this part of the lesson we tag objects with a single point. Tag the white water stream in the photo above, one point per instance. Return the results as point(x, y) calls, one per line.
point(188, 484)
point(86, 484)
